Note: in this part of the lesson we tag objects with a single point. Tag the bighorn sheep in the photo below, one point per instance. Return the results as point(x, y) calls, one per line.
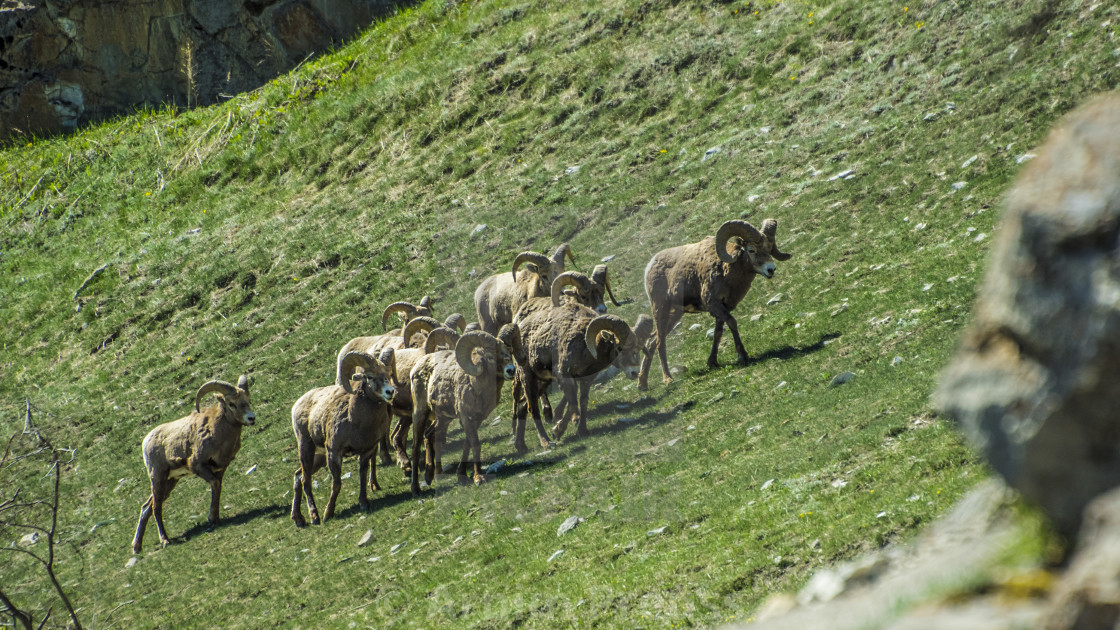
point(375, 343)
point(708, 277)
point(438, 337)
point(339, 420)
point(569, 343)
point(601, 283)
point(203, 443)
point(464, 384)
point(498, 297)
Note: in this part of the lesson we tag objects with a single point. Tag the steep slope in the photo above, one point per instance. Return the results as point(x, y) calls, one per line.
point(261, 234)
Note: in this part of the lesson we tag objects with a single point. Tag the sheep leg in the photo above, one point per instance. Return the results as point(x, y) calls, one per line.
point(334, 464)
point(533, 394)
point(713, 361)
point(643, 372)
point(723, 316)
point(471, 429)
point(216, 496)
point(386, 459)
point(398, 437)
point(584, 394)
point(160, 491)
point(310, 462)
point(664, 321)
point(297, 496)
point(433, 453)
point(520, 412)
point(568, 387)
point(420, 413)
point(462, 470)
point(441, 441)
point(145, 514)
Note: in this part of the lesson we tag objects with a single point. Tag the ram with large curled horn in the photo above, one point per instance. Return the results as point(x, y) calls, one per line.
point(464, 383)
point(437, 337)
point(350, 417)
point(569, 343)
point(711, 276)
point(203, 444)
point(499, 296)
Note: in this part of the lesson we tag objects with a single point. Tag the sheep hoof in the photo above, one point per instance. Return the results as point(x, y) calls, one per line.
point(300, 523)
point(522, 448)
point(164, 542)
point(479, 480)
point(546, 443)
point(136, 549)
point(744, 360)
point(464, 480)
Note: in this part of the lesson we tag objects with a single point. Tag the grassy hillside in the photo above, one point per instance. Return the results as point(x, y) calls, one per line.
point(258, 236)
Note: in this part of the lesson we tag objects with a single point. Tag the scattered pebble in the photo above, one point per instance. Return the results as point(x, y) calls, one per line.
point(559, 552)
point(959, 185)
point(767, 484)
point(839, 483)
point(691, 427)
point(659, 530)
point(568, 525)
point(366, 538)
point(756, 317)
point(781, 385)
point(395, 549)
point(29, 539)
point(571, 170)
point(774, 300)
point(496, 421)
point(607, 259)
point(373, 558)
point(841, 378)
point(1026, 157)
point(627, 420)
point(756, 428)
point(880, 515)
point(710, 153)
point(895, 361)
point(967, 163)
point(131, 562)
point(478, 229)
point(695, 327)
point(842, 175)
point(714, 399)
point(672, 441)
point(927, 286)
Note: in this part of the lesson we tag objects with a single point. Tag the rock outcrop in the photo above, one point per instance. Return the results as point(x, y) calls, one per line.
point(1032, 387)
point(1033, 383)
point(65, 63)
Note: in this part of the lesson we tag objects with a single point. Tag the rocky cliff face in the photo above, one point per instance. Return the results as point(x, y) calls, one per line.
point(67, 62)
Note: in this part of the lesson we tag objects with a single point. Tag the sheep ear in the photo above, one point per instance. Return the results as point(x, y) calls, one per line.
point(532, 268)
point(243, 382)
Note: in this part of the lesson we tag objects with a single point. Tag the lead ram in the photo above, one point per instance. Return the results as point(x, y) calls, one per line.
point(711, 276)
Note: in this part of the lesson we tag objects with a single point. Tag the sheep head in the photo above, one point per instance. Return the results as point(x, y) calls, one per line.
point(479, 353)
point(601, 280)
point(758, 248)
point(234, 401)
point(376, 379)
point(416, 326)
point(537, 264)
point(441, 338)
point(407, 310)
point(606, 335)
point(582, 284)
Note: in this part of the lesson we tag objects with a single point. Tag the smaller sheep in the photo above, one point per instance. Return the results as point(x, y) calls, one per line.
point(203, 443)
point(711, 276)
point(340, 420)
point(465, 384)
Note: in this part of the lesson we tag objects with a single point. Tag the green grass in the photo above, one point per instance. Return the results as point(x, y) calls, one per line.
point(260, 235)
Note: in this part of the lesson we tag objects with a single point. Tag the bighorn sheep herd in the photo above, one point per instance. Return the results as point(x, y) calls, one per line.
point(537, 325)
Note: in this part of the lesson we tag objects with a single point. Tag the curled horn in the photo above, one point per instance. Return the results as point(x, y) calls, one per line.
point(426, 306)
point(472, 326)
point(601, 275)
point(743, 230)
point(539, 260)
point(563, 250)
point(350, 362)
point(441, 336)
point(456, 320)
point(510, 334)
point(464, 350)
point(388, 358)
point(769, 230)
point(605, 323)
point(573, 278)
point(418, 324)
point(222, 387)
point(410, 310)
